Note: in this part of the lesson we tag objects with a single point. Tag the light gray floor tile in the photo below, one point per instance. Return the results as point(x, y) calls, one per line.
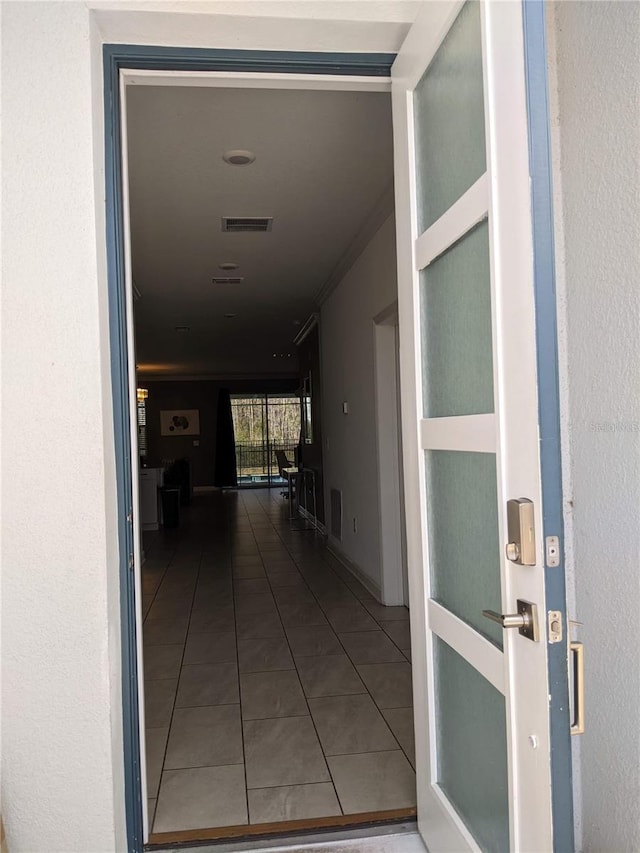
point(249, 572)
point(388, 683)
point(203, 737)
point(283, 578)
point(200, 798)
point(156, 743)
point(386, 614)
point(374, 781)
point(400, 633)
point(251, 587)
point(208, 684)
point(313, 640)
point(206, 601)
point(272, 694)
point(350, 618)
point(298, 615)
point(283, 751)
point(293, 802)
point(401, 722)
point(159, 696)
point(164, 632)
point(147, 601)
point(218, 620)
point(210, 648)
point(348, 724)
point(295, 595)
point(176, 587)
point(264, 654)
point(162, 661)
point(329, 675)
point(256, 626)
point(170, 608)
point(151, 810)
point(250, 604)
point(371, 647)
point(240, 560)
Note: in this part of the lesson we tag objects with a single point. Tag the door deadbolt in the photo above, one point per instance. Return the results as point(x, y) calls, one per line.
point(521, 547)
point(525, 620)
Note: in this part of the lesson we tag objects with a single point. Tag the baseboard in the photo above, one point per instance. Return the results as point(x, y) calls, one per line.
point(200, 489)
point(355, 570)
point(319, 526)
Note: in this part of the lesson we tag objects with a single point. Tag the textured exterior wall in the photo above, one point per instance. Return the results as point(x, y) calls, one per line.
point(596, 130)
point(62, 755)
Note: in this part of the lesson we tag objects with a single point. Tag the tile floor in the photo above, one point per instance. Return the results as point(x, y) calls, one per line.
point(276, 687)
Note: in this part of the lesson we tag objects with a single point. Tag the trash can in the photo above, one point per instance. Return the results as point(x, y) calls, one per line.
point(170, 496)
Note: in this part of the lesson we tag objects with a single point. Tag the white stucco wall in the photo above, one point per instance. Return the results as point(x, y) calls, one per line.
point(62, 755)
point(595, 64)
point(350, 454)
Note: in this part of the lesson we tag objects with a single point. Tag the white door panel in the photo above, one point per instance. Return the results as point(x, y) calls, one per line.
point(470, 424)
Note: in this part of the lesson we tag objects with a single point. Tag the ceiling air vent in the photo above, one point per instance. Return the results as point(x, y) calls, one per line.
point(247, 223)
point(227, 279)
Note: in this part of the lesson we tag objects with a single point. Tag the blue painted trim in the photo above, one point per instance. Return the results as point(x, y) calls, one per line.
point(549, 409)
point(285, 62)
point(120, 386)
point(116, 57)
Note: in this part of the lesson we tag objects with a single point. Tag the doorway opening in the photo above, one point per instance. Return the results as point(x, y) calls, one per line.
point(277, 682)
point(266, 428)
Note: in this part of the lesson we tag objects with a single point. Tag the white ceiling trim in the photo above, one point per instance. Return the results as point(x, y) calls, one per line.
point(247, 80)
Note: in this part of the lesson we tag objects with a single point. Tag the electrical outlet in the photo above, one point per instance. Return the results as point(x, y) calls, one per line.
point(355, 525)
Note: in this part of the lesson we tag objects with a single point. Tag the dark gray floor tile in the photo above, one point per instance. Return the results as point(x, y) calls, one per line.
point(162, 661)
point(400, 721)
point(159, 696)
point(210, 648)
point(313, 640)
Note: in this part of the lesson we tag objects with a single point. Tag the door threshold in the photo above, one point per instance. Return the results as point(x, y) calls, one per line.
point(282, 831)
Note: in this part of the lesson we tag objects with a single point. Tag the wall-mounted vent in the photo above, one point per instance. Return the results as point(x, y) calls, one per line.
point(227, 279)
point(247, 223)
point(336, 514)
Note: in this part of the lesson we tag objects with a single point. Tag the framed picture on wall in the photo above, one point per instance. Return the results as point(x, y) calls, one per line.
point(180, 422)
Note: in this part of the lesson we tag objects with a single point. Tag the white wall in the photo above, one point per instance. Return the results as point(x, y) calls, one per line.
point(61, 654)
point(348, 375)
point(596, 132)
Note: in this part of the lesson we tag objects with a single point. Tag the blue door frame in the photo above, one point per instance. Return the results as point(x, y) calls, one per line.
point(120, 57)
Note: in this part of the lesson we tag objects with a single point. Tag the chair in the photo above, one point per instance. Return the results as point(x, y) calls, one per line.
point(283, 462)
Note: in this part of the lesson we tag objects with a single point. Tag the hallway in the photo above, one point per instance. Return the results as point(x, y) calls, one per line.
point(276, 687)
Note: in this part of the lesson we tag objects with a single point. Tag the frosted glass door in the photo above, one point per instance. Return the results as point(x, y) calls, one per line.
point(470, 419)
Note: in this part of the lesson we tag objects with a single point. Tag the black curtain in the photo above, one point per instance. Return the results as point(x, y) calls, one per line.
point(225, 472)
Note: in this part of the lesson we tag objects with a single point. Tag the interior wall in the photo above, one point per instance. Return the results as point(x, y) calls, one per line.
point(595, 62)
point(203, 396)
point(348, 368)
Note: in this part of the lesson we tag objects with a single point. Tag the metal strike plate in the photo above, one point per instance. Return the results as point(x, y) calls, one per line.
point(521, 548)
point(552, 546)
point(554, 619)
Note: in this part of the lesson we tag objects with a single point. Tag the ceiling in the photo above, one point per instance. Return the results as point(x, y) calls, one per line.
point(323, 163)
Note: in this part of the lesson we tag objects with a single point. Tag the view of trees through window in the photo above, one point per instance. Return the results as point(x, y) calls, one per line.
point(264, 424)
